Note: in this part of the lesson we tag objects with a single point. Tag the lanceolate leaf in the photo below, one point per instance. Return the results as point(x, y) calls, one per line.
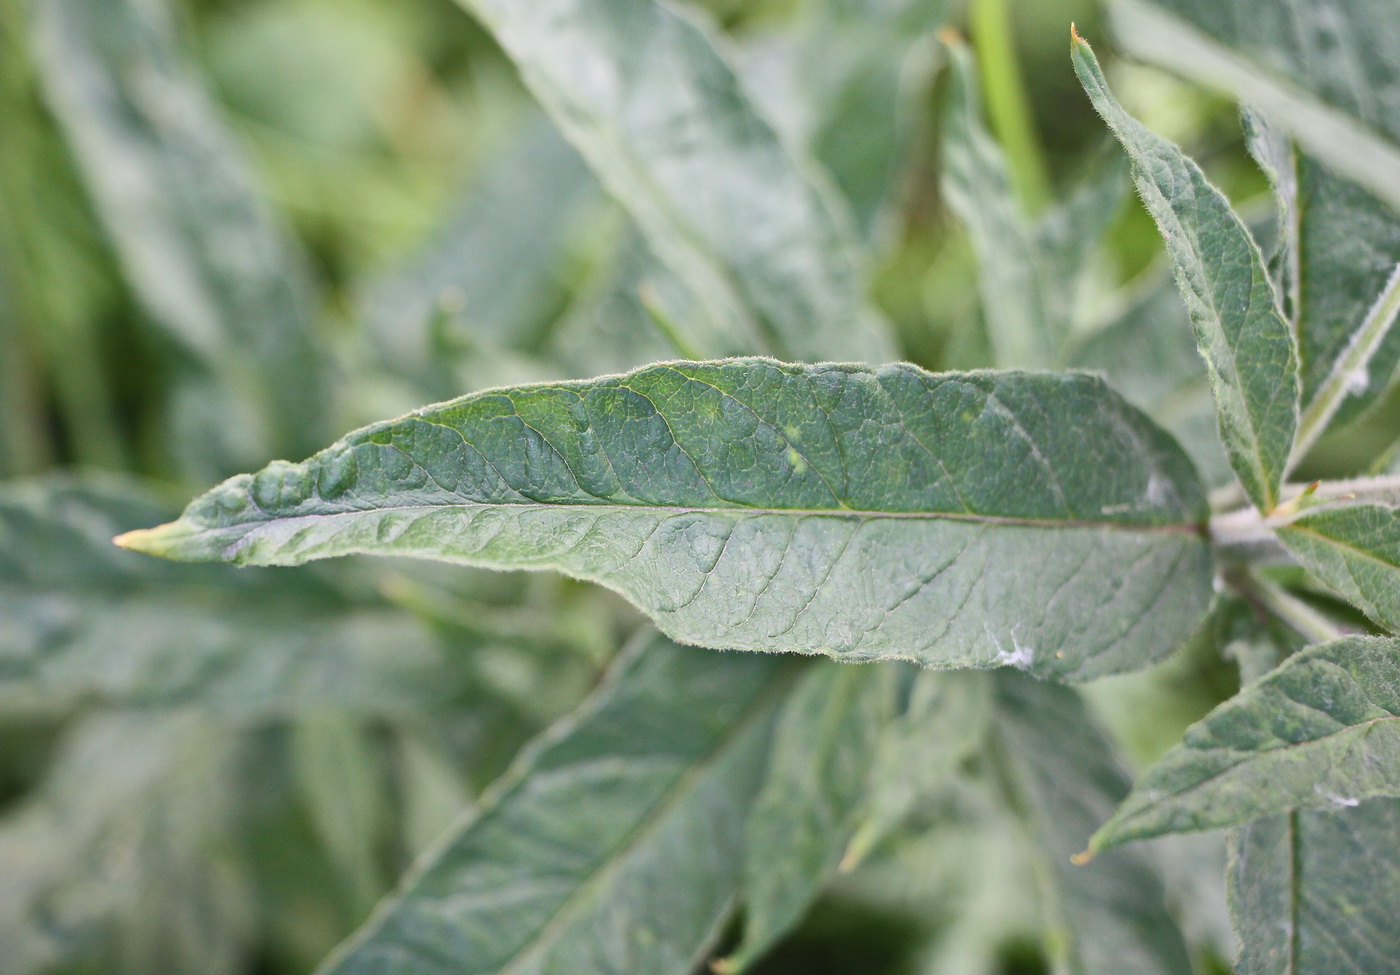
point(81, 621)
point(1315, 893)
point(1321, 731)
point(1109, 915)
point(209, 262)
point(660, 116)
point(1249, 349)
point(1355, 549)
point(855, 748)
point(612, 847)
point(1325, 70)
point(971, 519)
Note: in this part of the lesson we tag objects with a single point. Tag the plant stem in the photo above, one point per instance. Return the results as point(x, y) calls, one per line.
point(1350, 370)
point(1308, 622)
point(1007, 108)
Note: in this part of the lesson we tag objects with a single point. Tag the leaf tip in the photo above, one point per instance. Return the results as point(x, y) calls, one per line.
point(1074, 36)
point(1083, 857)
point(950, 36)
point(724, 966)
point(139, 540)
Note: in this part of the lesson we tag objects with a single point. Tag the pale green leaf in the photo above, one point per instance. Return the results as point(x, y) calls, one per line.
point(1325, 71)
point(81, 621)
point(1355, 549)
point(962, 519)
point(1316, 893)
point(614, 844)
point(213, 267)
point(855, 748)
point(1322, 731)
point(643, 93)
point(1108, 916)
point(1249, 349)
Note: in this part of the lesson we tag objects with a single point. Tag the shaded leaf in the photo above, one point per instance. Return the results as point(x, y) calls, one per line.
point(1315, 893)
point(211, 265)
point(1108, 916)
point(82, 621)
point(613, 845)
point(854, 749)
point(1322, 731)
point(1326, 71)
point(661, 117)
point(1249, 349)
point(971, 519)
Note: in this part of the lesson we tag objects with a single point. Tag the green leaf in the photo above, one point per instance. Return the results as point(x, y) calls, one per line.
point(1321, 731)
point(1249, 349)
point(82, 621)
point(1148, 354)
point(661, 117)
point(972, 519)
point(118, 861)
point(1341, 262)
point(1107, 916)
point(1325, 71)
point(1315, 893)
point(1355, 549)
point(614, 844)
point(212, 266)
point(854, 748)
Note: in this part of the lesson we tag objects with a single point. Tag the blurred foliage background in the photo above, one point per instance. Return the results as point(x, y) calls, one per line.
point(178, 177)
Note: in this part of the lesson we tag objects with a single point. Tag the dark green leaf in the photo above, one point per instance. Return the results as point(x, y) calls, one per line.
point(642, 92)
point(1322, 731)
point(1108, 916)
point(972, 519)
point(615, 843)
point(1249, 349)
point(1315, 893)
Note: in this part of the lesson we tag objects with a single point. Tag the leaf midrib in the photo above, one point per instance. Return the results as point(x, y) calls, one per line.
point(1172, 528)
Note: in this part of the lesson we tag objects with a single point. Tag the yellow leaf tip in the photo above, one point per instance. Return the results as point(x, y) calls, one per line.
point(724, 966)
point(949, 36)
point(133, 540)
point(1080, 859)
point(1074, 35)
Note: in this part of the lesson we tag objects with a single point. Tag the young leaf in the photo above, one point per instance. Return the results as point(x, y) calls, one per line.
point(642, 92)
point(1324, 70)
point(209, 262)
point(848, 761)
point(1248, 347)
point(1107, 916)
point(1321, 731)
point(972, 519)
point(1314, 893)
point(81, 621)
point(613, 845)
point(1355, 549)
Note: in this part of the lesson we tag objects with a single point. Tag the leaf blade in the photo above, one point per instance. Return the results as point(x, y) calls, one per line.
point(745, 504)
point(1321, 731)
point(1247, 345)
point(1355, 549)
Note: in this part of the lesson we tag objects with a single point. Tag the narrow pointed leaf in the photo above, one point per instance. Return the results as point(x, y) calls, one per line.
point(642, 92)
point(1315, 893)
point(212, 266)
point(1326, 71)
point(613, 845)
point(971, 519)
point(1249, 349)
point(81, 621)
point(854, 748)
point(1108, 916)
point(1322, 731)
point(1355, 549)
